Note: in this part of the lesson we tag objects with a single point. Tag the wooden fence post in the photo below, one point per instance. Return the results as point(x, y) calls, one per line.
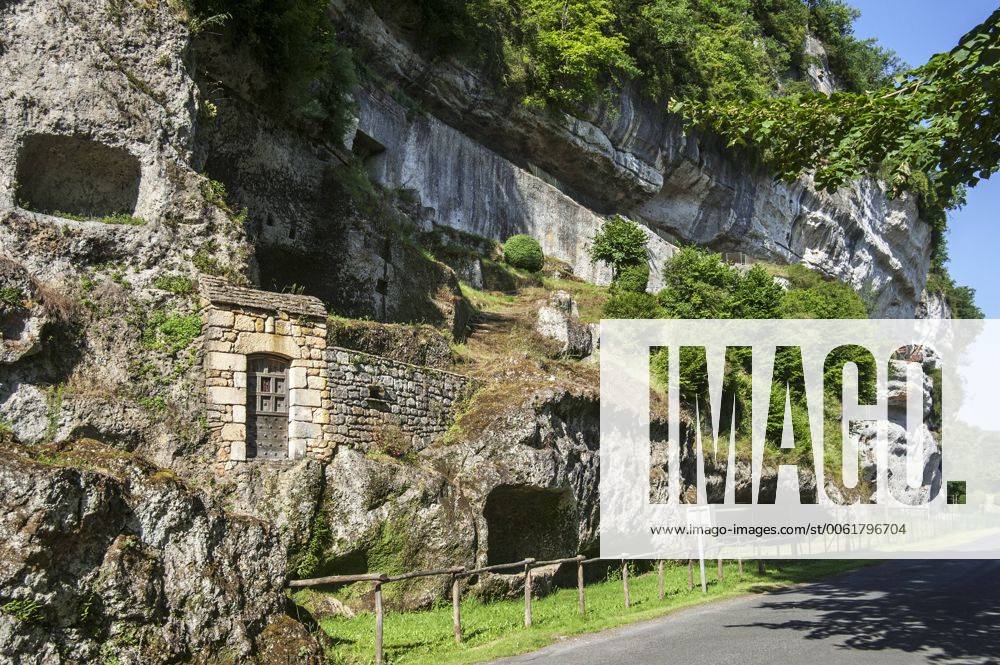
point(628, 601)
point(456, 609)
point(690, 575)
point(581, 600)
point(659, 573)
point(527, 592)
point(720, 573)
point(378, 623)
point(740, 561)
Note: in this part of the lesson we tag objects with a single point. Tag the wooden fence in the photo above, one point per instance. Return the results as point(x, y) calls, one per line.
point(458, 572)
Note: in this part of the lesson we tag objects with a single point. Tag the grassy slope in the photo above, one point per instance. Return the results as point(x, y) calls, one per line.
point(495, 630)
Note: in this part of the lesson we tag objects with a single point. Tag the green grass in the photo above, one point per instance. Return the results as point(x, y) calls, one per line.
point(118, 218)
point(496, 630)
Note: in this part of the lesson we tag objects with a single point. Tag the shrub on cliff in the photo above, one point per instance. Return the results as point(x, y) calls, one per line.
point(697, 285)
point(522, 251)
point(619, 243)
point(631, 278)
point(632, 305)
point(309, 72)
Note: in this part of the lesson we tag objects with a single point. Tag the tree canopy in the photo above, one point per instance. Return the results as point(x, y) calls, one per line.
point(933, 131)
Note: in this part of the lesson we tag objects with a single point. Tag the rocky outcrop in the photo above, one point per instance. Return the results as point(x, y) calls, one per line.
point(462, 184)
point(933, 305)
point(559, 319)
point(630, 158)
point(517, 478)
point(22, 314)
point(104, 557)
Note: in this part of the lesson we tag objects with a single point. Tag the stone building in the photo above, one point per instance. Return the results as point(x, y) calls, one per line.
point(276, 391)
point(265, 372)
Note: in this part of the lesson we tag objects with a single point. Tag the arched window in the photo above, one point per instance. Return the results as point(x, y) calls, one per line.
point(267, 407)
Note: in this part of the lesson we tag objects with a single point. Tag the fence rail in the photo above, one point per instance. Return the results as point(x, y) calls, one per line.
point(527, 565)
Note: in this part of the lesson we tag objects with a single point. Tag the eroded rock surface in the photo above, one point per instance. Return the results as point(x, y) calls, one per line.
point(122, 561)
point(630, 158)
point(559, 319)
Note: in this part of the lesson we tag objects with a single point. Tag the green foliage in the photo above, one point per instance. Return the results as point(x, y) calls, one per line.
point(858, 65)
point(170, 332)
point(700, 49)
point(11, 298)
point(632, 278)
point(620, 242)
point(214, 192)
point(310, 562)
point(524, 252)
point(756, 296)
point(205, 261)
point(25, 610)
point(560, 53)
point(176, 284)
point(122, 218)
point(961, 299)
point(632, 305)
point(308, 72)
point(493, 630)
point(812, 297)
point(568, 48)
point(933, 131)
point(697, 285)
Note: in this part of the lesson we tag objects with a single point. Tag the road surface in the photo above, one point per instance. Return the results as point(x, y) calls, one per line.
point(938, 612)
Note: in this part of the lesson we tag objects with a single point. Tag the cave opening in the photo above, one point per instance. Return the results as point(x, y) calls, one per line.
point(525, 521)
point(76, 177)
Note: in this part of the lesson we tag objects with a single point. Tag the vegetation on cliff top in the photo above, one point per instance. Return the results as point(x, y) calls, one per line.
point(933, 131)
point(308, 72)
point(554, 53)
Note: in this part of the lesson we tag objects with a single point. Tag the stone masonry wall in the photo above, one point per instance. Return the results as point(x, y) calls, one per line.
point(233, 332)
point(381, 402)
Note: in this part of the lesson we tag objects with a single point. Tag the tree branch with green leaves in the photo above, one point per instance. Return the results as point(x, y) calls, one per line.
point(934, 131)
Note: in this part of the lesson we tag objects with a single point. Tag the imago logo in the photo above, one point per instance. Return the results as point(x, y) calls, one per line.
point(799, 438)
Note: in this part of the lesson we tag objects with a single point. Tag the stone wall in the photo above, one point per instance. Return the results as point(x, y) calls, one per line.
point(390, 405)
point(241, 322)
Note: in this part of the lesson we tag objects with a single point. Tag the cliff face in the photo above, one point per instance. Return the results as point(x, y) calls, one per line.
point(113, 119)
point(630, 158)
point(119, 560)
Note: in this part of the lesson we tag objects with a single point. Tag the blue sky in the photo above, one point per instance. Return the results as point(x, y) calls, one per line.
point(916, 29)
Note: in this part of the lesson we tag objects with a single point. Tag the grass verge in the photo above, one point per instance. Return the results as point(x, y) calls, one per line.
point(495, 630)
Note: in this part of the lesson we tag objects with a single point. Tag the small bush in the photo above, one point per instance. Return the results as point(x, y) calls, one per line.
point(26, 610)
point(523, 252)
point(214, 192)
point(619, 243)
point(171, 333)
point(176, 284)
point(11, 298)
point(631, 278)
point(632, 305)
point(823, 300)
point(697, 285)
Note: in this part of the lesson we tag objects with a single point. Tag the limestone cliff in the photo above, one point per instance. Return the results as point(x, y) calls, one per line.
point(483, 164)
point(135, 159)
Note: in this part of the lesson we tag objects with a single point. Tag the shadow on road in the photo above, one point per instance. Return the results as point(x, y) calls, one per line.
point(948, 610)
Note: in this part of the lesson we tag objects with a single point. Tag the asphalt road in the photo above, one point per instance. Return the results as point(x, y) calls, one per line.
point(939, 612)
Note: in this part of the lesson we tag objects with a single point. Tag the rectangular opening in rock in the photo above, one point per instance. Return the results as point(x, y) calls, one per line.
point(76, 176)
point(525, 521)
